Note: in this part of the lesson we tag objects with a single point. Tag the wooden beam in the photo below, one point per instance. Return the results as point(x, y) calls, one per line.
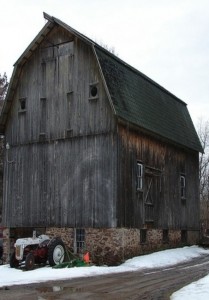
point(48, 17)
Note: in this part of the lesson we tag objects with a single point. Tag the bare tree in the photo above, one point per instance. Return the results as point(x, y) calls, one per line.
point(111, 49)
point(203, 132)
point(3, 86)
point(3, 91)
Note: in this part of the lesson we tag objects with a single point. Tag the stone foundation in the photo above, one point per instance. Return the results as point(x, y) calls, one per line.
point(175, 237)
point(112, 246)
point(193, 237)
point(66, 234)
point(6, 245)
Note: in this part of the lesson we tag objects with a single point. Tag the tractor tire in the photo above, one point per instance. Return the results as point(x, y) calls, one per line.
point(56, 252)
point(14, 263)
point(29, 261)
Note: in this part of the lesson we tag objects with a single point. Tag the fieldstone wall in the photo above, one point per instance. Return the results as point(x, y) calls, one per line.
point(112, 246)
point(153, 242)
point(193, 237)
point(175, 237)
point(66, 234)
point(6, 245)
point(130, 242)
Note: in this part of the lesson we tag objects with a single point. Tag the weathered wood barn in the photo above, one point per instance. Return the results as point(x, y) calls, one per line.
point(96, 152)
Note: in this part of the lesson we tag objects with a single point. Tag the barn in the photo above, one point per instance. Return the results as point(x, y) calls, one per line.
point(96, 152)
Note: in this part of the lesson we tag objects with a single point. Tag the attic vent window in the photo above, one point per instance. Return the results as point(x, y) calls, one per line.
point(22, 104)
point(93, 91)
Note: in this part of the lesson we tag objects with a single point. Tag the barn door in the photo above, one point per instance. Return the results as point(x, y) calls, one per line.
point(56, 87)
point(151, 193)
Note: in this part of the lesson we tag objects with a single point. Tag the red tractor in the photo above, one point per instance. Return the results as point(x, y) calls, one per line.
point(37, 250)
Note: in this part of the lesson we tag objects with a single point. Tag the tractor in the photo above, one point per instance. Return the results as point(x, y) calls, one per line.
point(37, 250)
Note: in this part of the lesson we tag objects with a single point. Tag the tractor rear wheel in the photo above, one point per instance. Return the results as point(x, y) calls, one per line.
point(29, 261)
point(14, 263)
point(56, 252)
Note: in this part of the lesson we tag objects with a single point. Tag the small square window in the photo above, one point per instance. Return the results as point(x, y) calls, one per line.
point(184, 236)
point(165, 236)
point(143, 236)
point(22, 104)
point(139, 174)
point(93, 91)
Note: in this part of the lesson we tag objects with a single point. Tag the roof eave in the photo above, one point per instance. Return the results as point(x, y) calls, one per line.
point(104, 81)
point(136, 127)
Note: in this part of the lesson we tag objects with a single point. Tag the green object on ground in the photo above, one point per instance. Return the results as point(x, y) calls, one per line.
point(70, 264)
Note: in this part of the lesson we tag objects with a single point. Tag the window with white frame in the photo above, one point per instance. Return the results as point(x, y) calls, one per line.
point(139, 176)
point(80, 240)
point(183, 186)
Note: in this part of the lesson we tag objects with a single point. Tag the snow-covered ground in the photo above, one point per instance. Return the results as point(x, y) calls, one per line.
point(196, 291)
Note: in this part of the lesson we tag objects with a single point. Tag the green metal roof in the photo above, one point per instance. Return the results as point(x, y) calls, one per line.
point(141, 101)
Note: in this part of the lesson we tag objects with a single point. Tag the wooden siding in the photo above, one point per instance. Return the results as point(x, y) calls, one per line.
point(61, 166)
point(164, 164)
point(62, 183)
point(55, 84)
point(68, 164)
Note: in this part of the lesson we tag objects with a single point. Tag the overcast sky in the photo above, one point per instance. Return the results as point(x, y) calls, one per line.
point(168, 40)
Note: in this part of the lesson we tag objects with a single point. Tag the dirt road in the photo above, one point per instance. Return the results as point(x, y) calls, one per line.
point(144, 285)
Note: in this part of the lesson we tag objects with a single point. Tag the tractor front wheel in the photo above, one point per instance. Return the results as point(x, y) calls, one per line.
point(56, 252)
point(29, 261)
point(14, 263)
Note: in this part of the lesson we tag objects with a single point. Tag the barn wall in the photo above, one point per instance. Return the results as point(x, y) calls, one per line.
point(56, 87)
point(166, 163)
point(62, 183)
point(60, 168)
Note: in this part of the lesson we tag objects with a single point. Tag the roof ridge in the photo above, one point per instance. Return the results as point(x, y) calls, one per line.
point(68, 27)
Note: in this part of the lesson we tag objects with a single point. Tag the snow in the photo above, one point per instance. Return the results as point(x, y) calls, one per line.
point(198, 290)
point(195, 291)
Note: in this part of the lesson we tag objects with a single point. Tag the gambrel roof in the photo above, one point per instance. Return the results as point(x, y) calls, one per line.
point(141, 101)
point(134, 97)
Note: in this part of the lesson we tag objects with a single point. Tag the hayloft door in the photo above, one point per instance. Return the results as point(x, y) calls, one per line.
point(151, 194)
